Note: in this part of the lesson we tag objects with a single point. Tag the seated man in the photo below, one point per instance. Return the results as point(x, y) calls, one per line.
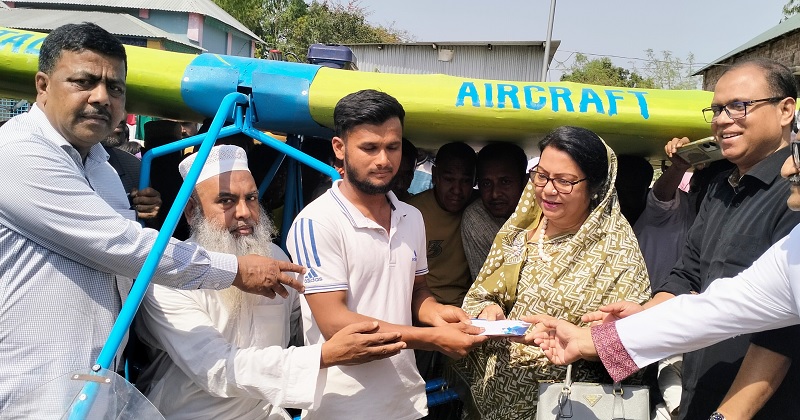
point(223, 354)
point(501, 179)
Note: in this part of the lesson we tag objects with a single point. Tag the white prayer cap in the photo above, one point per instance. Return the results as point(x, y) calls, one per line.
point(223, 158)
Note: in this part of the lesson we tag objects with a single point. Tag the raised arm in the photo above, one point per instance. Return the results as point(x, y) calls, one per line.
point(665, 186)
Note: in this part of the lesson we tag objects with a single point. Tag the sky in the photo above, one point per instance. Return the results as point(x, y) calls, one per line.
point(621, 29)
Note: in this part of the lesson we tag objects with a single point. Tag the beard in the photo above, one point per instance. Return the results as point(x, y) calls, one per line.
point(365, 185)
point(112, 141)
point(217, 238)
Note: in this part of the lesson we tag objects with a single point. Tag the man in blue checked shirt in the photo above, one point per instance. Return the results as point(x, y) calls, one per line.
point(66, 227)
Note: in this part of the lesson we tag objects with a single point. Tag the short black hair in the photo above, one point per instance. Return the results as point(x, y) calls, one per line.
point(779, 78)
point(586, 149)
point(456, 151)
point(410, 151)
point(366, 106)
point(634, 171)
point(509, 153)
point(77, 37)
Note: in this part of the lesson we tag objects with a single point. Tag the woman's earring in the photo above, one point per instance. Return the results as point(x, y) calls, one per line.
point(594, 197)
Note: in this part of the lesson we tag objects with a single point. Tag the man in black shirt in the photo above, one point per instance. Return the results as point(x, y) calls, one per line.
point(743, 214)
point(146, 202)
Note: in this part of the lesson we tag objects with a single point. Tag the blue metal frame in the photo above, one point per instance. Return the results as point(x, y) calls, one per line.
point(262, 189)
point(238, 106)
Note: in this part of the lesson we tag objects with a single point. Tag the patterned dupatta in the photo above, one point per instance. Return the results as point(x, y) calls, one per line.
point(603, 238)
point(598, 265)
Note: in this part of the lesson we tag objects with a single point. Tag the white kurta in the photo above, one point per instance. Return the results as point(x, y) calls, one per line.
point(66, 230)
point(210, 365)
point(765, 296)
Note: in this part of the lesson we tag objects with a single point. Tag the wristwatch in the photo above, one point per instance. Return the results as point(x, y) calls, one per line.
point(716, 416)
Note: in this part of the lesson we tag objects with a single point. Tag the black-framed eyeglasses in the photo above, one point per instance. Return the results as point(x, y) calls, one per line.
point(564, 186)
point(736, 109)
point(795, 145)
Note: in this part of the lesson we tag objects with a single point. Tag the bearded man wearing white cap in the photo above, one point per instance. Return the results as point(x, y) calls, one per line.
point(223, 354)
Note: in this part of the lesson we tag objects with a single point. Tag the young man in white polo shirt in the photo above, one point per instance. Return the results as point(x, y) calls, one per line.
point(365, 253)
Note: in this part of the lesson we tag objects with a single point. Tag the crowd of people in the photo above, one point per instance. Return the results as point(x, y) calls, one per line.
point(613, 275)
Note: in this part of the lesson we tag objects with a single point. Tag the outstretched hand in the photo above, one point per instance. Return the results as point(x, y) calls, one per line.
point(457, 340)
point(360, 343)
point(561, 341)
point(671, 149)
point(612, 312)
point(448, 314)
point(267, 277)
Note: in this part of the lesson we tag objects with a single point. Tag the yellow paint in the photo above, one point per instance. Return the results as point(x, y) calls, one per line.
point(17, 64)
point(435, 115)
point(155, 44)
point(154, 76)
point(438, 108)
point(154, 83)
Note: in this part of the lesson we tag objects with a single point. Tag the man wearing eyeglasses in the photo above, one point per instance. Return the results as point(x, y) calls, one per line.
point(742, 215)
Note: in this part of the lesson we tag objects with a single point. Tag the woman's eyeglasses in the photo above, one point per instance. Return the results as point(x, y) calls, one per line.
point(561, 185)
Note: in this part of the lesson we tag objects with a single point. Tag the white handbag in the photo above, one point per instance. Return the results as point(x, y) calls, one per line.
point(592, 401)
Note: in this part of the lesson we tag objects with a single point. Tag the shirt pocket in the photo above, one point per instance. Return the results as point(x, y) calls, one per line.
point(741, 251)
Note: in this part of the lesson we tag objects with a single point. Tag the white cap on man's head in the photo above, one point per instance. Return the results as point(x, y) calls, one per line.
point(223, 158)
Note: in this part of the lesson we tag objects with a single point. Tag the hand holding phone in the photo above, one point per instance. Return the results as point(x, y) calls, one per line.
point(701, 151)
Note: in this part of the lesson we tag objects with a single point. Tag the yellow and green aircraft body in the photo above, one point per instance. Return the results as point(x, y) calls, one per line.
point(299, 98)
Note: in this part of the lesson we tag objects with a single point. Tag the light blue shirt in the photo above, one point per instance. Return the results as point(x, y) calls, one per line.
point(65, 231)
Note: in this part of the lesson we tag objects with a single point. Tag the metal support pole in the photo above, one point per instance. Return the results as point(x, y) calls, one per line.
point(546, 59)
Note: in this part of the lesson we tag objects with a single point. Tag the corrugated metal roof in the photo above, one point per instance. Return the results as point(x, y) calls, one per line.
point(789, 25)
point(428, 43)
point(119, 24)
point(518, 61)
point(203, 7)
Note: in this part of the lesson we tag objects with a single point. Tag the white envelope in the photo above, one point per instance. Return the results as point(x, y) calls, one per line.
point(504, 327)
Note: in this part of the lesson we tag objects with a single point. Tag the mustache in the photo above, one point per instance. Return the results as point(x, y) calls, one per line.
point(240, 225)
point(795, 179)
point(97, 112)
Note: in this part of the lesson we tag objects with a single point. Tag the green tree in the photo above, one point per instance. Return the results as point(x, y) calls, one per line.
point(791, 8)
point(292, 25)
point(670, 72)
point(601, 71)
point(337, 24)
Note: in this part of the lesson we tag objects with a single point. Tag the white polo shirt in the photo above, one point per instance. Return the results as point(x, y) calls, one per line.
point(344, 250)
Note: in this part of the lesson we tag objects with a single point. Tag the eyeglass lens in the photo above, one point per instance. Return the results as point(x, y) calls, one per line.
point(541, 180)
